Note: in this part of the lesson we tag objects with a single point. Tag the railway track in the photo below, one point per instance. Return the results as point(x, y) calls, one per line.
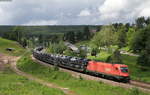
point(133, 84)
point(141, 84)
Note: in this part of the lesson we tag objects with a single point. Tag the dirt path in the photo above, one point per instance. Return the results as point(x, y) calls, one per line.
point(13, 60)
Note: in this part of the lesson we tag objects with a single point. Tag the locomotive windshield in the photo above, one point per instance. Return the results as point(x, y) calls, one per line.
point(124, 69)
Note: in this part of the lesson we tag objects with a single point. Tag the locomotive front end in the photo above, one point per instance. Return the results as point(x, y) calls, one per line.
point(124, 73)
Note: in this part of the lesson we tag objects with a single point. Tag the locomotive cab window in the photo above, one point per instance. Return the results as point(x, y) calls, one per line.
point(124, 69)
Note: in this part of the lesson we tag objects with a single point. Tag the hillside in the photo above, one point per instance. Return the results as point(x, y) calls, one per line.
point(33, 30)
point(4, 44)
point(13, 84)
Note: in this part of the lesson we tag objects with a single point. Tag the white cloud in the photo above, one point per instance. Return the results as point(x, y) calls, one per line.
point(42, 22)
point(123, 10)
point(145, 9)
point(145, 12)
point(112, 8)
point(85, 13)
point(4, 17)
point(74, 12)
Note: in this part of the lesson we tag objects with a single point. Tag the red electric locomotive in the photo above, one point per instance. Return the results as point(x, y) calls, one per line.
point(117, 71)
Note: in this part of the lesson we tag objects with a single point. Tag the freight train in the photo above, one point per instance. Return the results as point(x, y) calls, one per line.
point(102, 69)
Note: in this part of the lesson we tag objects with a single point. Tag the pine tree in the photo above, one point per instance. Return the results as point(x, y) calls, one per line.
point(121, 37)
point(86, 33)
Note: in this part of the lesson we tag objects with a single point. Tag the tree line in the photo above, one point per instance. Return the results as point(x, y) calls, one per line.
point(134, 36)
point(76, 36)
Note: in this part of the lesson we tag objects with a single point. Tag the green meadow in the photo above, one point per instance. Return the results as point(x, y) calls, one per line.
point(13, 84)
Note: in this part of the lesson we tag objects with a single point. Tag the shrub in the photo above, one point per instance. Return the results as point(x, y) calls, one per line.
point(134, 91)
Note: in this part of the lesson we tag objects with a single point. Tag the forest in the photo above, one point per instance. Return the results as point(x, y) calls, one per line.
point(134, 38)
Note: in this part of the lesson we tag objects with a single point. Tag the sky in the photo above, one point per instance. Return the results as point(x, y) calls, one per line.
point(71, 12)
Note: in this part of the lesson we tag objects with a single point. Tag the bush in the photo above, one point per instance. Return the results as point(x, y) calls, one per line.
point(57, 48)
point(68, 52)
point(134, 91)
point(144, 58)
point(56, 68)
point(80, 77)
point(94, 52)
point(115, 58)
point(82, 53)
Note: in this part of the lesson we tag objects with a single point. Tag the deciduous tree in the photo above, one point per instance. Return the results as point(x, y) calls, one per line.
point(105, 37)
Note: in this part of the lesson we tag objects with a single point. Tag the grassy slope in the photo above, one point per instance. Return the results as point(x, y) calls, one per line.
point(135, 71)
point(12, 84)
point(80, 86)
point(10, 44)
